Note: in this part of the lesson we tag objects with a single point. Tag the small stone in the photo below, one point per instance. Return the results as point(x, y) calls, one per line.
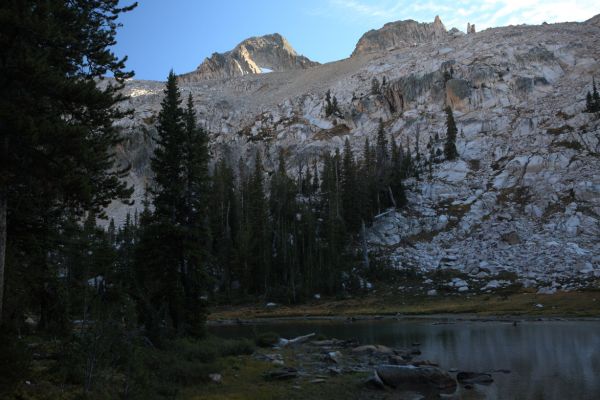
point(334, 356)
point(216, 378)
point(546, 290)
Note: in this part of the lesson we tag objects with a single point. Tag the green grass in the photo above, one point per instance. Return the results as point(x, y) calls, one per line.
point(509, 301)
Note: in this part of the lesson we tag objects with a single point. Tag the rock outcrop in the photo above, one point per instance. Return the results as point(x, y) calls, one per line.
point(252, 56)
point(595, 20)
point(400, 34)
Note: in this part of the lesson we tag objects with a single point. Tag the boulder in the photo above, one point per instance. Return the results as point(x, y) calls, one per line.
point(372, 349)
point(511, 238)
point(479, 378)
point(408, 376)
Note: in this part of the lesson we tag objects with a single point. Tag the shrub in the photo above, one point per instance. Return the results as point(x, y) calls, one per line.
point(14, 362)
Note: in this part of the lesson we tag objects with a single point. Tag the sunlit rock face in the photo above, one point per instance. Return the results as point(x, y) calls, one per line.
point(252, 56)
point(528, 164)
point(400, 34)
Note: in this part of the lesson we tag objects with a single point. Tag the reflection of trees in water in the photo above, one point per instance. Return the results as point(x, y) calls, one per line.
point(548, 360)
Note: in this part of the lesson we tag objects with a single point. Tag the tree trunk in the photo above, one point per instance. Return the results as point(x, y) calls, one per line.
point(392, 196)
point(3, 211)
point(3, 206)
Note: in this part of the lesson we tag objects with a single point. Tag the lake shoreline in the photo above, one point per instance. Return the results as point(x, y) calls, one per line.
point(450, 318)
point(341, 355)
point(526, 305)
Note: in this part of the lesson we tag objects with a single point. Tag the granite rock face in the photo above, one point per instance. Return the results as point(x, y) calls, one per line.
point(400, 34)
point(522, 198)
point(252, 56)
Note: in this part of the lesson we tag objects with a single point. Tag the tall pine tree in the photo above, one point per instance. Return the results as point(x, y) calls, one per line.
point(56, 131)
point(176, 234)
point(451, 131)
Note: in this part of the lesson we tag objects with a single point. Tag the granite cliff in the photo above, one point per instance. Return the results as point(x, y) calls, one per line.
point(522, 202)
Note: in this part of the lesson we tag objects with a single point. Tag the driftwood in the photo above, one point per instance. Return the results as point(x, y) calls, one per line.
point(290, 342)
point(382, 214)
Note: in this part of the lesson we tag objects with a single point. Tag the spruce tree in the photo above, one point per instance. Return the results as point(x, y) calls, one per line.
point(224, 221)
point(589, 102)
point(375, 87)
point(335, 238)
point(56, 131)
point(259, 257)
point(334, 106)
point(396, 176)
point(328, 105)
point(382, 169)
point(451, 131)
point(195, 244)
point(168, 198)
point(595, 97)
point(283, 213)
point(368, 182)
point(350, 196)
point(178, 229)
point(166, 163)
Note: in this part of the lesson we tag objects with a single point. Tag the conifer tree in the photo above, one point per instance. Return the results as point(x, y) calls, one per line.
point(451, 131)
point(259, 257)
point(224, 221)
point(178, 231)
point(56, 131)
point(368, 182)
point(382, 169)
point(595, 97)
point(350, 196)
point(375, 87)
point(283, 213)
point(334, 106)
point(328, 105)
point(589, 102)
point(194, 214)
point(335, 238)
point(396, 176)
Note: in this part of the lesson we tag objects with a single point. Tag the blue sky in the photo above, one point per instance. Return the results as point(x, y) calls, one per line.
point(163, 34)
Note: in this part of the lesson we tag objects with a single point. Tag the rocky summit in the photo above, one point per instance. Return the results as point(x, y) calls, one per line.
point(400, 34)
point(252, 56)
point(521, 202)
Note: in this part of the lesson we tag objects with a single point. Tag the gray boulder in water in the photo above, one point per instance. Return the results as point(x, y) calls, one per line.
point(480, 378)
point(409, 377)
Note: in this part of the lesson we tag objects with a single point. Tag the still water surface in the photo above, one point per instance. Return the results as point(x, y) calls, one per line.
point(548, 360)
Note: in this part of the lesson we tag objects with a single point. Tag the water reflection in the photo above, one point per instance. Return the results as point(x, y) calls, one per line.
point(549, 360)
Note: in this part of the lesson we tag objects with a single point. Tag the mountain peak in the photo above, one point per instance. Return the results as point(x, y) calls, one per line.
point(400, 34)
point(254, 55)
